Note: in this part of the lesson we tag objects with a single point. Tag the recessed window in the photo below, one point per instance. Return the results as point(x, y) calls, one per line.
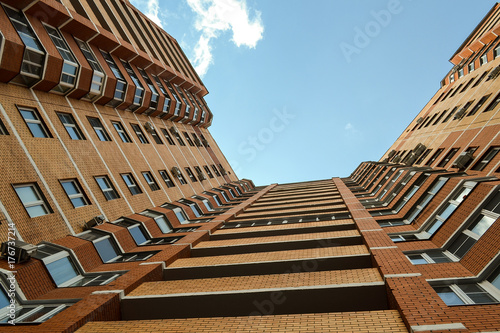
point(107, 188)
point(164, 175)
point(34, 122)
point(155, 136)
point(70, 125)
point(464, 293)
point(196, 140)
point(167, 137)
point(153, 185)
point(131, 183)
point(121, 84)
point(199, 173)
point(121, 132)
point(33, 200)
point(3, 129)
point(99, 129)
point(204, 141)
point(431, 257)
point(188, 139)
point(207, 170)
point(70, 65)
point(160, 220)
point(140, 134)
point(478, 105)
point(447, 157)
point(98, 74)
point(74, 192)
point(154, 93)
point(493, 104)
point(166, 104)
point(434, 156)
point(139, 89)
point(190, 174)
point(216, 171)
point(34, 53)
point(175, 133)
point(486, 158)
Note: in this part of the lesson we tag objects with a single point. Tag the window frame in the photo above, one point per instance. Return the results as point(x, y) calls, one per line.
point(72, 124)
point(99, 128)
point(80, 195)
point(122, 132)
point(131, 184)
point(153, 184)
point(139, 133)
point(40, 202)
point(166, 178)
point(483, 161)
point(38, 122)
point(110, 189)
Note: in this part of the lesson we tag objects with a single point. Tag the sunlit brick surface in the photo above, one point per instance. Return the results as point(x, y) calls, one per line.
point(354, 322)
point(292, 280)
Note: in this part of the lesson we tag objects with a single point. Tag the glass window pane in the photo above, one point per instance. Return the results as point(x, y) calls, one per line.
point(4, 301)
point(180, 216)
point(78, 202)
point(448, 296)
point(163, 225)
point(417, 259)
point(106, 250)
point(138, 235)
point(70, 188)
point(37, 130)
point(102, 183)
point(27, 194)
point(448, 211)
point(62, 270)
point(434, 226)
point(482, 225)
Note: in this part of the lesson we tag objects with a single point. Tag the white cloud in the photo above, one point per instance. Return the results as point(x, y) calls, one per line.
point(151, 8)
point(351, 132)
point(216, 16)
point(348, 127)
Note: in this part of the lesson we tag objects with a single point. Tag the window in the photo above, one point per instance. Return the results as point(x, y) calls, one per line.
point(174, 131)
point(493, 104)
point(33, 200)
point(188, 139)
point(216, 171)
point(190, 174)
point(486, 158)
point(167, 137)
point(99, 129)
point(160, 220)
point(178, 103)
point(98, 73)
point(3, 130)
point(166, 178)
point(439, 118)
point(131, 183)
point(70, 65)
point(489, 214)
point(166, 104)
point(434, 156)
point(154, 93)
point(153, 185)
point(199, 173)
point(106, 187)
point(194, 207)
point(155, 136)
point(121, 84)
point(121, 132)
point(140, 134)
point(385, 224)
point(423, 156)
point(203, 140)
point(139, 89)
point(207, 170)
point(451, 113)
point(480, 79)
point(66, 273)
point(422, 203)
point(177, 173)
point(34, 122)
point(72, 128)
point(448, 209)
point(464, 293)
point(478, 105)
point(432, 257)
point(196, 140)
point(447, 157)
point(34, 54)
point(74, 192)
point(25, 311)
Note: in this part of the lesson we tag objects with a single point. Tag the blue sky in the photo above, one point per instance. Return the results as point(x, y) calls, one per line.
point(305, 90)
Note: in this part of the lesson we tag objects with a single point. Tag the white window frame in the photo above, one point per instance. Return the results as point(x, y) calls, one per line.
point(110, 188)
point(37, 203)
point(79, 195)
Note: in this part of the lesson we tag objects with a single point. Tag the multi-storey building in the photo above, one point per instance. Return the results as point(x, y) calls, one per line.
point(120, 213)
